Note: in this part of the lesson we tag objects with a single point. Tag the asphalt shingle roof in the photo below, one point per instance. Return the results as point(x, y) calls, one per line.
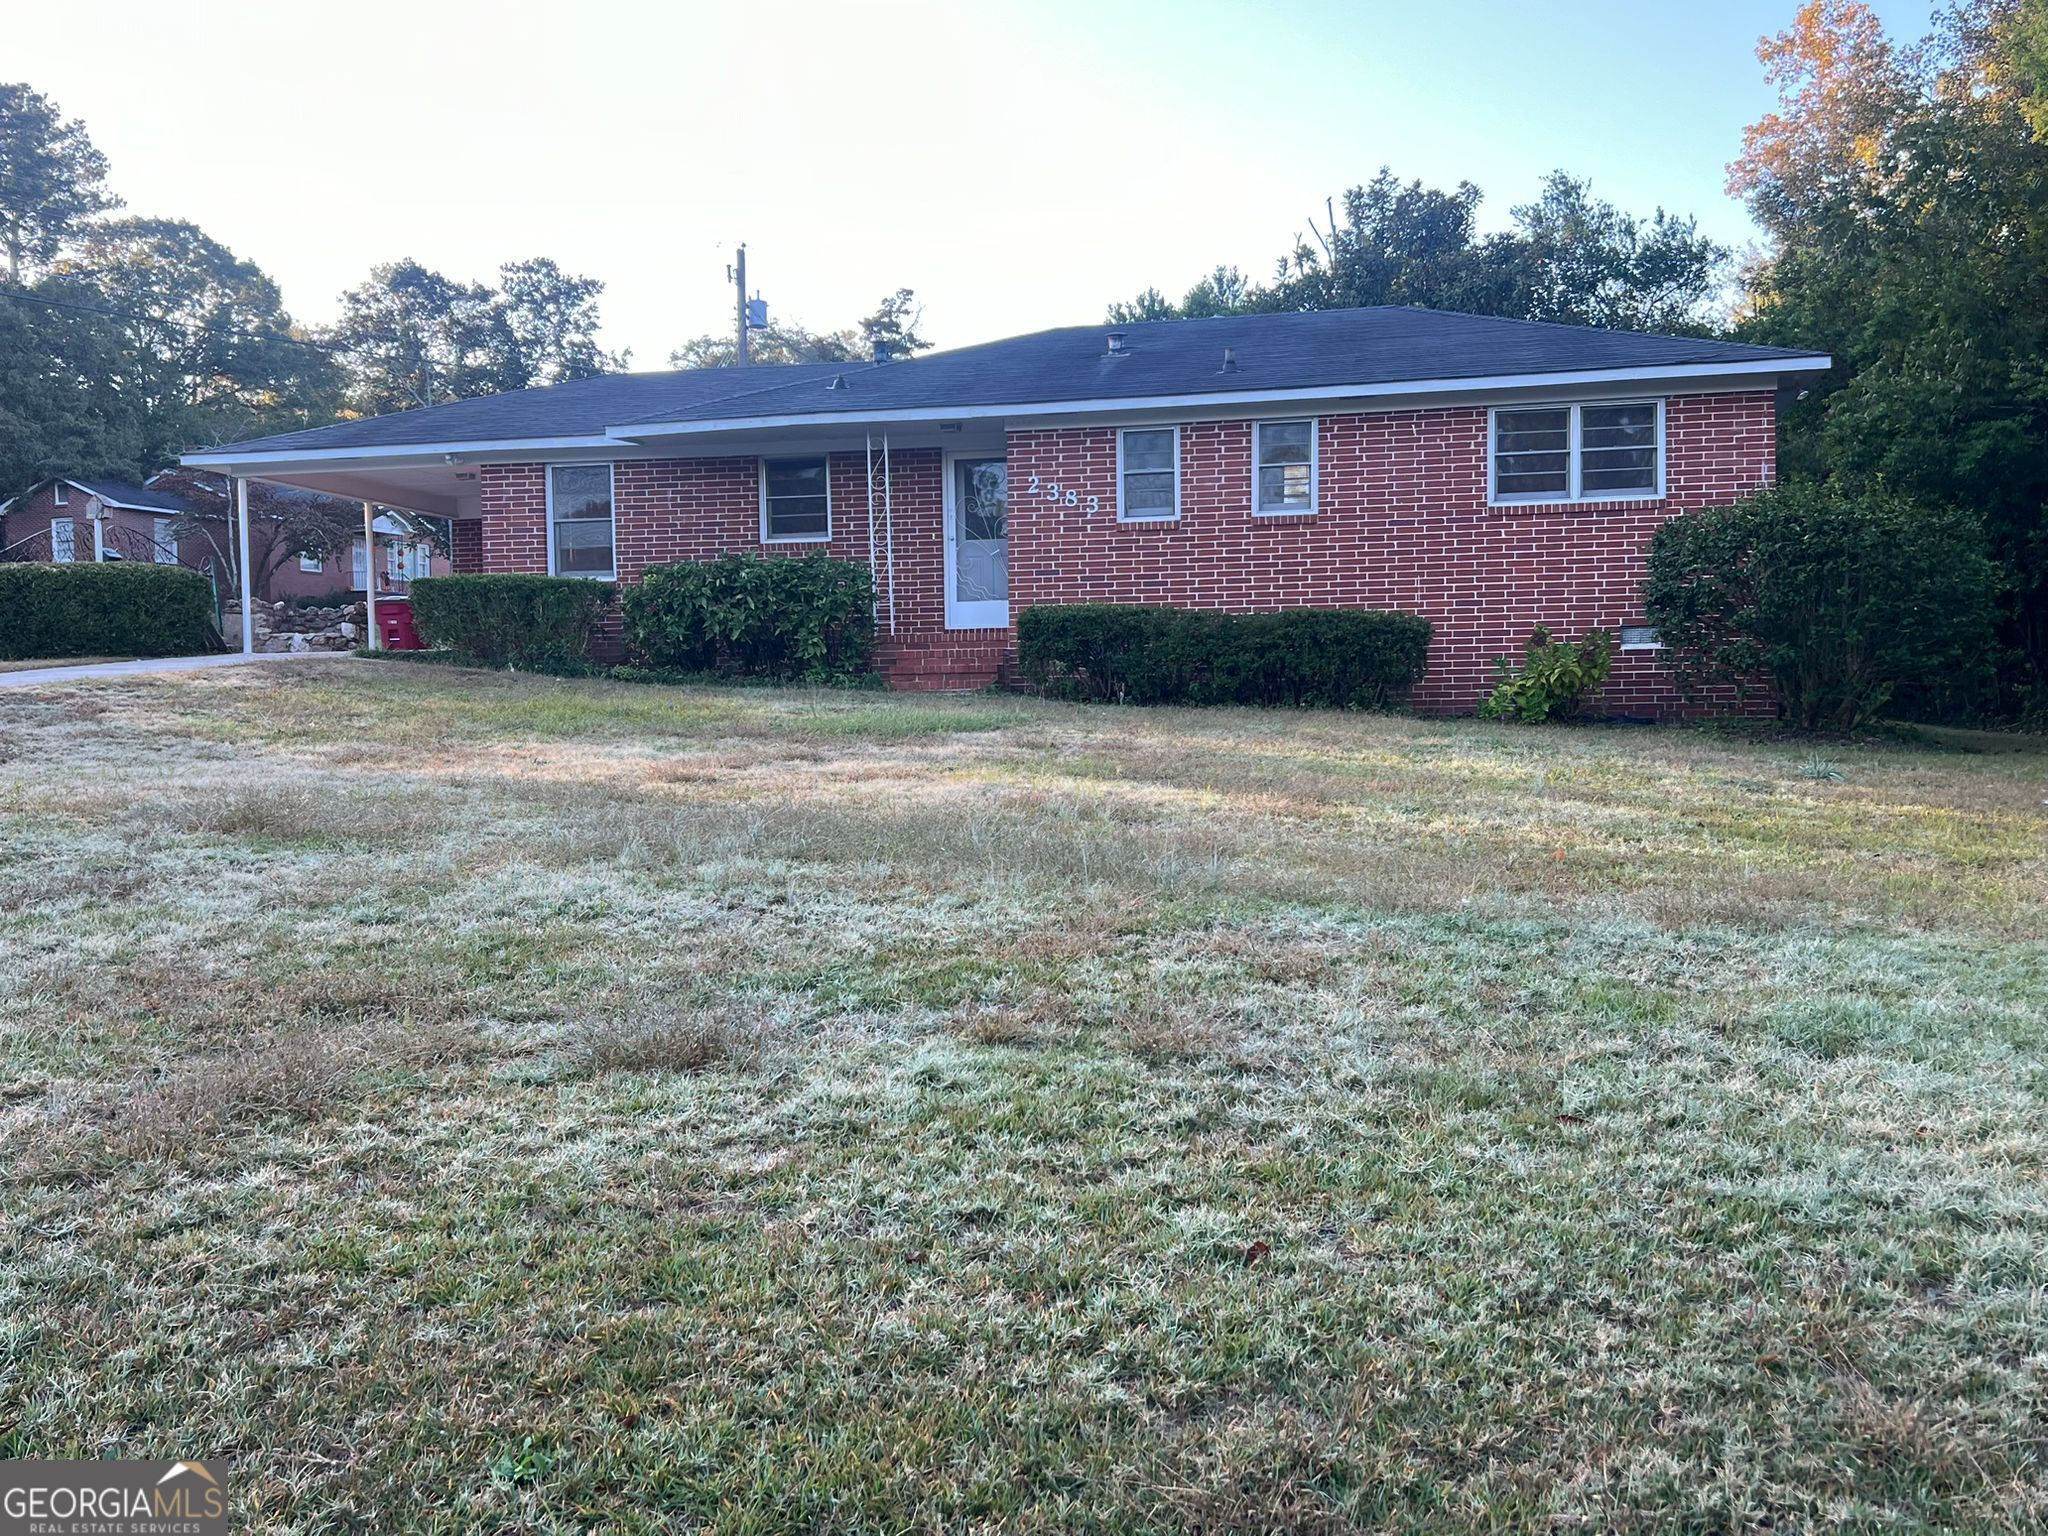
point(119, 493)
point(1168, 358)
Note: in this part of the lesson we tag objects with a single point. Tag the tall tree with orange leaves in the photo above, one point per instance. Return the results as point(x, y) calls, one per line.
point(1905, 193)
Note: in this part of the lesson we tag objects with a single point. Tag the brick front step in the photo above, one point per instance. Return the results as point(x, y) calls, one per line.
point(927, 668)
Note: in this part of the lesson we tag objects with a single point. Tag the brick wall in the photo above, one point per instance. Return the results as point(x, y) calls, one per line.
point(1402, 523)
point(466, 546)
point(699, 509)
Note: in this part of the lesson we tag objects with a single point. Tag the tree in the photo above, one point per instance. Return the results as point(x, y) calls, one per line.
point(62, 409)
point(2022, 44)
point(1906, 192)
point(411, 337)
point(208, 352)
point(1571, 258)
point(552, 318)
point(1582, 261)
point(894, 324)
point(1838, 598)
point(284, 522)
point(51, 179)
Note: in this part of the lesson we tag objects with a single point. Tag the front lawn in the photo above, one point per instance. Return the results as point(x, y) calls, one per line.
point(476, 1103)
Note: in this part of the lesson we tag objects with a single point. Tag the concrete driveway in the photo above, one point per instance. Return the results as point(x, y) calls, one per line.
point(36, 676)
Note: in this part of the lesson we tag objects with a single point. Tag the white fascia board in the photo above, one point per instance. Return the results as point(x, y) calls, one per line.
point(1209, 402)
point(394, 453)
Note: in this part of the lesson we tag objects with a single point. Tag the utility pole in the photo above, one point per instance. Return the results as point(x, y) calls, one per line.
point(738, 273)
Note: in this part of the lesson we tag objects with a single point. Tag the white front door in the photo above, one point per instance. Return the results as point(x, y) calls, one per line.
point(977, 541)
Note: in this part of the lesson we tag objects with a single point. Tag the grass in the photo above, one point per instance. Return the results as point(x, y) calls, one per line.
point(465, 1102)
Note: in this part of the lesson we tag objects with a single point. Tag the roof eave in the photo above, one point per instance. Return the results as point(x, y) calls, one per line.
point(639, 432)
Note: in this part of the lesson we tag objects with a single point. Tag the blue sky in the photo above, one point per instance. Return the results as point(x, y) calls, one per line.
point(1019, 164)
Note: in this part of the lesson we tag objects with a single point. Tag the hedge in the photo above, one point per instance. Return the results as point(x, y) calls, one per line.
point(807, 617)
point(1341, 658)
point(119, 608)
point(1835, 595)
point(533, 623)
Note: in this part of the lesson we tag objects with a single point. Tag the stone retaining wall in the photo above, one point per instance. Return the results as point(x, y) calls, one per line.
point(282, 627)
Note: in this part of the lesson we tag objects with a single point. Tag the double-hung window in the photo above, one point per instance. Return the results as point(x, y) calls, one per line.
point(164, 542)
point(63, 540)
point(1603, 452)
point(796, 501)
point(1148, 474)
point(580, 527)
point(1283, 467)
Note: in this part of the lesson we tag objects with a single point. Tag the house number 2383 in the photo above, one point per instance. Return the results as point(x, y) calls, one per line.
point(1061, 495)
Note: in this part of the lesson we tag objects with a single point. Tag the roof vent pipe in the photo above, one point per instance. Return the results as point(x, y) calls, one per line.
point(1229, 360)
point(1116, 344)
point(838, 381)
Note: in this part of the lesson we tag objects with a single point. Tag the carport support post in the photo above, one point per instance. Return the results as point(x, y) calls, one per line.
point(370, 574)
point(242, 533)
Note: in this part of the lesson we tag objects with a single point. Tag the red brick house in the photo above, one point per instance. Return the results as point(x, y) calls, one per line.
point(1488, 474)
point(53, 520)
point(182, 519)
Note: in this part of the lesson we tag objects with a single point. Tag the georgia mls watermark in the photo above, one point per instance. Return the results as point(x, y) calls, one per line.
point(111, 1498)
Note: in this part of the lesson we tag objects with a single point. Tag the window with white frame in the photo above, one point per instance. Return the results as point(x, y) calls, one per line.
point(164, 541)
point(312, 563)
point(1640, 637)
point(1593, 452)
point(407, 561)
point(796, 501)
point(60, 495)
point(1283, 467)
point(580, 526)
point(1148, 474)
point(63, 540)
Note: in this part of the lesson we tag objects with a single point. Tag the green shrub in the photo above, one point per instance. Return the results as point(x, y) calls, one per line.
point(1557, 677)
point(806, 616)
point(120, 608)
point(532, 623)
point(1341, 658)
point(1834, 596)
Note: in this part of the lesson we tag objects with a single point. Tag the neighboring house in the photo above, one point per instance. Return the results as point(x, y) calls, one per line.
point(1488, 474)
point(183, 519)
point(404, 552)
point(52, 520)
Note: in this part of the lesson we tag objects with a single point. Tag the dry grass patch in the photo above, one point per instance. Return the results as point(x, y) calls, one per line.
point(645, 1039)
point(466, 1102)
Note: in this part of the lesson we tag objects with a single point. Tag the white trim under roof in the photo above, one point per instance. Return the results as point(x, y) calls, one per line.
point(1671, 377)
point(639, 431)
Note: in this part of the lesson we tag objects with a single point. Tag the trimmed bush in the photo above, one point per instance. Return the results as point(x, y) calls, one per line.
point(1835, 597)
point(805, 617)
point(532, 623)
point(120, 608)
point(1332, 658)
point(1557, 677)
